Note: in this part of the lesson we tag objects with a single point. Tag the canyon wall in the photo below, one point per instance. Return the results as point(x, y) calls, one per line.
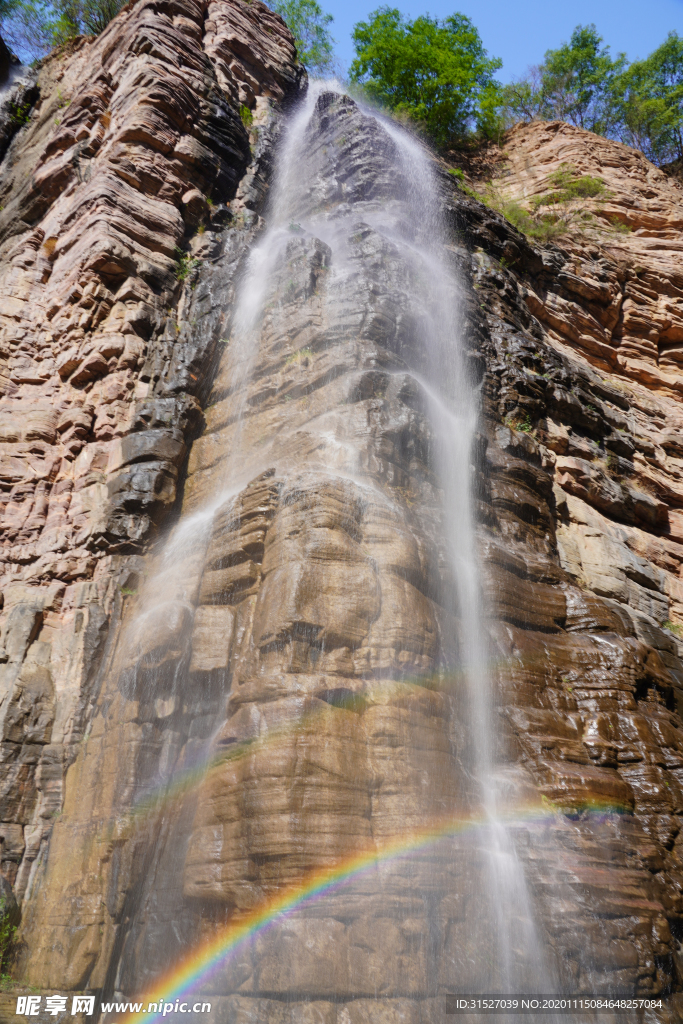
point(132, 140)
point(308, 606)
point(590, 393)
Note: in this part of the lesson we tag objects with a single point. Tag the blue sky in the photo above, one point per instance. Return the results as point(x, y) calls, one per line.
point(520, 31)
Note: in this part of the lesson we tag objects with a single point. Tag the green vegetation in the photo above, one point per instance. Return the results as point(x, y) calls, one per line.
point(8, 928)
point(525, 426)
point(618, 228)
point(309, 25)
point(568, 215)
point(301, 356)
point(673, 627)
point(575, 84)
point(7, 7)
point(437, 74)
point(33, 27)
point(27, 27)
point(88, 17)
point(246, 116)
point(569, 185)
point(185, 264)
point(542, 228)
point(649, 103)
point(640, 104)
point(434, 72)
point(20, 115)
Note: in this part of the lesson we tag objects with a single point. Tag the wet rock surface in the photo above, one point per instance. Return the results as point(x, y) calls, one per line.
point(593, 417)
point(300, 615)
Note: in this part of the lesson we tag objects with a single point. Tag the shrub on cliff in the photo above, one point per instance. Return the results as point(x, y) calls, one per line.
point(560, 211)
point(436, 72)
point(569, 185)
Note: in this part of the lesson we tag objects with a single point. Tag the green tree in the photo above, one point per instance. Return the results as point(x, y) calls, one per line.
point(33, 27)
point(649, 98)
point(575, 83)
point(83, 17)
point(6, 7)
point(579, 78)
point(309, 25)
point(525, 99)
point(26, 26)
point(436, 72)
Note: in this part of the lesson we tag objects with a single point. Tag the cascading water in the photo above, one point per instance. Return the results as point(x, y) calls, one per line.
point(388, 218)
point(518, 961)
point(518, 958)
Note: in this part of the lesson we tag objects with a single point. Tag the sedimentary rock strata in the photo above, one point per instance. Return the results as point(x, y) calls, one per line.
point(599, 413)
point(120, 148)
point(293, 637)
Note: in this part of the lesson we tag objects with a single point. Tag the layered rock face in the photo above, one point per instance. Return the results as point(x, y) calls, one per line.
point(595, 391)
point(287, 643)
point(272, 691)
point(118, 149)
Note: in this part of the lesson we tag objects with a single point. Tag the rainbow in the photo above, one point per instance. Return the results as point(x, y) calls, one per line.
point(186, 779)
point(211, 954)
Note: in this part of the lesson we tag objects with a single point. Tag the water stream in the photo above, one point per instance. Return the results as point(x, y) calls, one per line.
point(519, 962)
point(499, 949)
point(452, 403)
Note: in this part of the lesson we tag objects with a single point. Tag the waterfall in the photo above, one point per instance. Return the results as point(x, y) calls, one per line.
point(453, 407)
point(333, 219)
point(452, 404)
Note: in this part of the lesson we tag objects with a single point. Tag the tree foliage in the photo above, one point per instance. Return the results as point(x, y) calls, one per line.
point(83, 17)
point(309, 25)
point(580, 77)
point(26, 27)
point(436, 72)
point(649, 100)
point(7, 6)
point(33, 27)
point(641, 104)
point(574, 84)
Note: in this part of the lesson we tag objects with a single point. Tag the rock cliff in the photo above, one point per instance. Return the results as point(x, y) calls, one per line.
point(599, 412)
point(301, 619)
point(121, 147)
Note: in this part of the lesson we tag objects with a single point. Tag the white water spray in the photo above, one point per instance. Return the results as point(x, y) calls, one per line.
point(513, 944)
point(506, 955)
point(453, 412)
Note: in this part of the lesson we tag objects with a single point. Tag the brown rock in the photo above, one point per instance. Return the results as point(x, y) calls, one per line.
point(299, 641)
